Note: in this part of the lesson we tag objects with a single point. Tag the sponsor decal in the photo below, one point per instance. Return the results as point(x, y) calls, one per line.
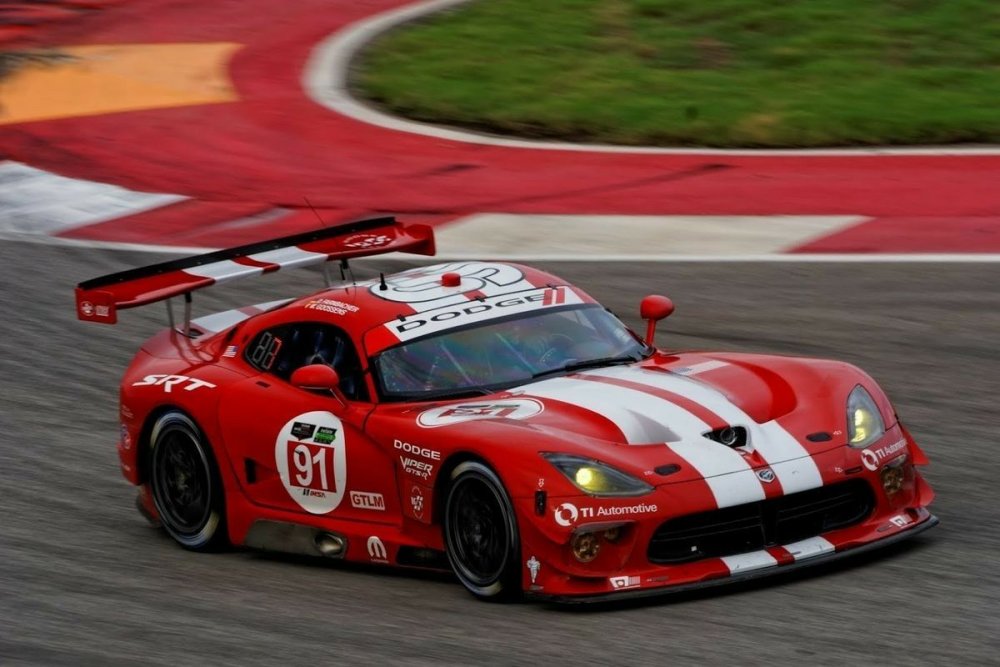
point(417, 501)
point(623, 582)
point(872, 458)
point(302, 430)
point(332, 306)
point(766, 475)
point(423, 284)
point(417, 450)
point(367, 241)
point(90, 310)
point(533, 567)
point(469, 312)
point(567, 514)
point(325, 435)
point(514, 408)
point(376, 550)
point(363, 500)
point(416, 467)
point(900, 520)
point(126, 439)
point(168, 382)
point(231, 351)
point(312, 469)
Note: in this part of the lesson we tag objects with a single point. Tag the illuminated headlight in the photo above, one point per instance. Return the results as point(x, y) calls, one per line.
point(864, 423)
point(596, 478)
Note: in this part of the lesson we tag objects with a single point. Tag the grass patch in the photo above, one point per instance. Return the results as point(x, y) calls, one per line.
point(751, 73)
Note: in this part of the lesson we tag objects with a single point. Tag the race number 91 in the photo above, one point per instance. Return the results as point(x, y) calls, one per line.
point(311, 465)
point(310, 453)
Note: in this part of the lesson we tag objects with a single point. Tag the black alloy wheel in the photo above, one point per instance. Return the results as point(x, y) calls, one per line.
point(481, 535)
point(185, 483)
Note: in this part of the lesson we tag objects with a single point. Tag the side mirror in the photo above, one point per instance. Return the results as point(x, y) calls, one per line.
point(654, 308)
point(318, 377)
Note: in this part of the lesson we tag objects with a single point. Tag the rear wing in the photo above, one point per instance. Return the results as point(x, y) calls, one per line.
point(99, 299)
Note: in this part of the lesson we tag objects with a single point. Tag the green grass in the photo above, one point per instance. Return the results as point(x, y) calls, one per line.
point(758, 73)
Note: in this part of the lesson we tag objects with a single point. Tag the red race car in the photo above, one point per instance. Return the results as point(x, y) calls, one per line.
point(491, 418)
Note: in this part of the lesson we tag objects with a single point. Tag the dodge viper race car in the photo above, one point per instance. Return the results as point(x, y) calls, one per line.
point(494, 419)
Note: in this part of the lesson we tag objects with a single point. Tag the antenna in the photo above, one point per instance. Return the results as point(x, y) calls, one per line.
point(325, 269)
point(381, 282)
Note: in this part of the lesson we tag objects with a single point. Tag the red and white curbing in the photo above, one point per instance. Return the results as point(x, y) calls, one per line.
point(37, 205)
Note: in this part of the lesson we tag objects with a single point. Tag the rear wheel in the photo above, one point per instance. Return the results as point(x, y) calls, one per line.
point(185, 483)
point(481, 535)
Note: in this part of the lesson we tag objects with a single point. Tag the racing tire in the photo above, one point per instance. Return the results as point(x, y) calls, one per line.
point(185, 484)
point(480, 533)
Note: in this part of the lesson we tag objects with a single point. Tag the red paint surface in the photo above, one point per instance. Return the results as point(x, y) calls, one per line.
point(275, 146)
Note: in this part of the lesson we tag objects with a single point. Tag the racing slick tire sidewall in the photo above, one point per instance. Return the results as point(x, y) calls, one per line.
point(504, 584)
point(209, 533)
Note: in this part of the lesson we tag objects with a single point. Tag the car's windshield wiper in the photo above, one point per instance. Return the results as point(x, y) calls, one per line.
point(446, 394)
point(590, 363)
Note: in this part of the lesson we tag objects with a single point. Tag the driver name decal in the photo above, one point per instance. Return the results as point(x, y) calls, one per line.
point(515, 408)
point(312, 462)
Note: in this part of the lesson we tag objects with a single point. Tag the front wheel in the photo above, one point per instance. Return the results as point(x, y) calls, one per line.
point(185, 483)
point(480, 532)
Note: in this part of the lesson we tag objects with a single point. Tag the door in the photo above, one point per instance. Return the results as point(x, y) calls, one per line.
point(305, 451)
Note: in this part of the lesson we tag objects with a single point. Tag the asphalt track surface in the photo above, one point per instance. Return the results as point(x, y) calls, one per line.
point(84, 580)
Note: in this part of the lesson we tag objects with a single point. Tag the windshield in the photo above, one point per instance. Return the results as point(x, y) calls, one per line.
point(505, 353)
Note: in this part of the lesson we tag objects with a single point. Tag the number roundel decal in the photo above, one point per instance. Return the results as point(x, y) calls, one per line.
point(312, 461)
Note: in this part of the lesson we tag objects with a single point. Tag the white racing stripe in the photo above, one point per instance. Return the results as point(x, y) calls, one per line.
point(224, 270)
point(703, 367)
point(755, 560)
point(788, 458)
point(219, 321)
point(813, 546)
point(643, 418)
point(290, 257)
point(727, 474)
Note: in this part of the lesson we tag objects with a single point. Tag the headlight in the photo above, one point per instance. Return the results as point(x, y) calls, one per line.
point(864, 423)
point(596, 478)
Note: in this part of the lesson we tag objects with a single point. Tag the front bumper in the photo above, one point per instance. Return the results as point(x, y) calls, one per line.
point(929, 521)
point(625, 566)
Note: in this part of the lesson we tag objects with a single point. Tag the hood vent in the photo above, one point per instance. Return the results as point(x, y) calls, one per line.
point(730, 436)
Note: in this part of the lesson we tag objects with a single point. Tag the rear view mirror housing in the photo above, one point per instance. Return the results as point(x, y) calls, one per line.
point(654, 308)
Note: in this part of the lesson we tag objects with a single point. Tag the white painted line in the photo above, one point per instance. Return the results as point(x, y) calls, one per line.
point(325, 79)
point(818, 258)
point(508, 235)
point(37, 201)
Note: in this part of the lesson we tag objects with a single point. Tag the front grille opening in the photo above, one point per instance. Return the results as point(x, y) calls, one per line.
point(730, 436)
point(766, 523)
